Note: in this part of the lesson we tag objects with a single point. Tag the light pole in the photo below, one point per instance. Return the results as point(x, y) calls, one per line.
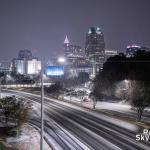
point(42, 111)
point(0, 90)
point(1, 87)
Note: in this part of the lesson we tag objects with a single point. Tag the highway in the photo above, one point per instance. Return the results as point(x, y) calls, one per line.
point(70, 127)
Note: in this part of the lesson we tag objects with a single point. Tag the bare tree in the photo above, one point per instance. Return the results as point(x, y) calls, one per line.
point(140, 98)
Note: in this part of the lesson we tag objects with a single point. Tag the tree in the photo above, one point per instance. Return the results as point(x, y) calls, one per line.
point(140, 97)
point(15, 111)
point(2, 78)
point(119, 68)
point(114, 70)
point(95, 98)
point(7, 108)
point(54, 88)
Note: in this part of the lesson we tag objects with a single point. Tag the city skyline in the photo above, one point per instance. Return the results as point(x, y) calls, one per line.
point(74, 74)
point(42, 26)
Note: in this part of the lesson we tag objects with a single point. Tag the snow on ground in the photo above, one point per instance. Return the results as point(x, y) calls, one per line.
point(72, 99)
point(3, 94)
point(120, 107)
point(82, 89)
point(118, 122)
point(28, 140)
point(113, 106)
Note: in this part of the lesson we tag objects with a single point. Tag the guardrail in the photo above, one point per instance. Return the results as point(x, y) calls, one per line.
point(24, 85)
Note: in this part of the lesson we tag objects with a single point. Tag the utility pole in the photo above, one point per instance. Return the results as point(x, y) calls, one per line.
point(42, 111)
point(1, 87)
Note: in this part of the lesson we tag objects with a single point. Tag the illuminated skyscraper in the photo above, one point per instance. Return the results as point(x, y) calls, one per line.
point(110, 53)
point(73, 53)
point(66, 47)
point(131, 49)
point(95, 48)
point(26, 64)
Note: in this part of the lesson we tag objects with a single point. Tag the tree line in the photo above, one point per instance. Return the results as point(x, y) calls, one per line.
point(135, 70)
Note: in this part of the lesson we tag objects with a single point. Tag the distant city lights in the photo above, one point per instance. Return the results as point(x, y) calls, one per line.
point(136, 46)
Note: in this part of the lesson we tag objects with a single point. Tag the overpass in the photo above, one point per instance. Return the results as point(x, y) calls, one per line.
point(24, 85)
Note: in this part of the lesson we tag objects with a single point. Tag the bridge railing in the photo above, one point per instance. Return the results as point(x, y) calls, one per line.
point(24, 85)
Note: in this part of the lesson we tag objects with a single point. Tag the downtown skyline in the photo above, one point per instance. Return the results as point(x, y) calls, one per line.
point(74, 74)
point(41, 26)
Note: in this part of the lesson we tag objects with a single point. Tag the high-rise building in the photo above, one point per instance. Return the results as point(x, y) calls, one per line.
point(131, 50)
point(110, 53)
point(67, 47)
point(75, 60)
point(26, 64)
point(95, 48)
point(19, 66)
point(27, 67)
point(33, 67)
point(5, 66)
point(73, 53)
point(94, 42)
point(25, 54)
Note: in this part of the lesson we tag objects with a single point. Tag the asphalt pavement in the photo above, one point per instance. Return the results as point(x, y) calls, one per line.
point(69, 128)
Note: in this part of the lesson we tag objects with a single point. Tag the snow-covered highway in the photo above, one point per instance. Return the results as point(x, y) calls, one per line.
point(72, 127)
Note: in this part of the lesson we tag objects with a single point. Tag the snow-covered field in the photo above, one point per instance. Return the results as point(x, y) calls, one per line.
point(113, 106)
point(100, 105)
point(118, 106)
point(28, 140)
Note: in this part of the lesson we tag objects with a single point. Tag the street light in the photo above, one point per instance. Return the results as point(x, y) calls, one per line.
point(61, 60)
point(42, 110)
point(126, 83)
point(1, 87)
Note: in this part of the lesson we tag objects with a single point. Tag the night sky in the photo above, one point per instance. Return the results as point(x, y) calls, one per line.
point(41, 25)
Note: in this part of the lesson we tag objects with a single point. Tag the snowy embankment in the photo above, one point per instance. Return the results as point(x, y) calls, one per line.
point(28, 140)
point(114, 106)
point(118, 106)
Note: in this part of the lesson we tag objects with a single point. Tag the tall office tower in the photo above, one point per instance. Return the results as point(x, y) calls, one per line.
point(66, 47)
point(131, 50)
point(33, 67)
point(95, 48)
point(26, 64)
point(25, 54)
point(19, 66)
point(73, 53)
point(26, 67)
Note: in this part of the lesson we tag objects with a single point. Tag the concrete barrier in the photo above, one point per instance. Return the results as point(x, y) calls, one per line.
point(24, 85)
